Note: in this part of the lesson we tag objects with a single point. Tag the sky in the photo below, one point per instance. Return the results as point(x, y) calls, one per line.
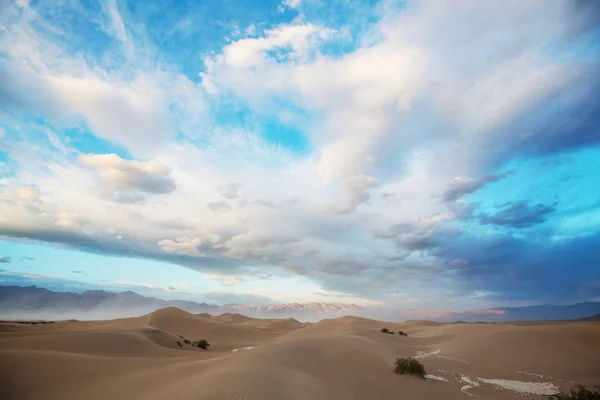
point(413, 154)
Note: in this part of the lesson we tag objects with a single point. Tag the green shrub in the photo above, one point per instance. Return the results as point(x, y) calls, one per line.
point(580, 393)
point(186, 341)
point(402, 333)
point(386, 330)
point(179, 344)
point(203, 344)
point(409, 366)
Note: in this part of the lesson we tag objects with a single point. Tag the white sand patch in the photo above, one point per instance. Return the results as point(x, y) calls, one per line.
point(436, 378)
point(421, 354)
point(469, 381)
point(470, 384)
point(242, 348)
point(539, 388)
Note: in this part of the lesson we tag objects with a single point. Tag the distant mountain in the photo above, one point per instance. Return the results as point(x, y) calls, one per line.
point(32, 302)
point(591, 318)
point(314, 307)
point(545, 312)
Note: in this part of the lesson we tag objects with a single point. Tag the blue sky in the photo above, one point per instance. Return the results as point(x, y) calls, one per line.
point(413, 154)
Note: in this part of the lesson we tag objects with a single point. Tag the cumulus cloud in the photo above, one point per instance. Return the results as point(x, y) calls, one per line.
point(5, 259)
point(186, 245)
point(135, 115)
point(128, 180)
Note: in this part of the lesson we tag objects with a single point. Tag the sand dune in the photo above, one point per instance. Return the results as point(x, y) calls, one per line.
point(253, 358)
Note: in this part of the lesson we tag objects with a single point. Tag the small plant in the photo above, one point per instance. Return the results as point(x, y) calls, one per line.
point(203, 344)
point(179, 344)
point(409, 366)
point(402, 333)
point(186, 341)
point(386, 330)
point(580, 393)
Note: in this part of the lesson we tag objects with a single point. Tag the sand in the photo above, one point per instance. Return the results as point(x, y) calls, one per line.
point(343, 358)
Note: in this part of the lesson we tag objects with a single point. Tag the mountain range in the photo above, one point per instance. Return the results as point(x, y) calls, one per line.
point(36, 302)
point(32, 302)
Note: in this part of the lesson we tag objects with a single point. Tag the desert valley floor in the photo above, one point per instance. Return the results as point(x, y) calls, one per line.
point(345, 358)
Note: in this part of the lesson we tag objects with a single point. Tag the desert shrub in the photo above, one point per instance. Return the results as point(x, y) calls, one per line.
point(402, 333)
point(579, 393)
point(203, 344)
point(409, 366)
point(186, 341)
point(179, 344)
point(386, 330)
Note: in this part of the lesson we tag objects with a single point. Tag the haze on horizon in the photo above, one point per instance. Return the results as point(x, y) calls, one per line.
point(410, 154)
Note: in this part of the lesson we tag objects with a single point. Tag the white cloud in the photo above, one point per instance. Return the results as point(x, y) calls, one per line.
point(134, 114)
point(293, 4)
point(117, 28)
point(251, 52)
point(225, 280)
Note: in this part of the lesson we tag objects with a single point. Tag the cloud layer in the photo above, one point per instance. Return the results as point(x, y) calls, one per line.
point(394, 161)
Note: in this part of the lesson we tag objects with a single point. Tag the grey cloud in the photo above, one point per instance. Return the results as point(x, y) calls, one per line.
point(5, 260)
point(219, 205)
point(214, 262)
point(462, 185)
point(413, 237)
point(356, 189)
point(532, 268)
point(230, 191)
point(79, 271)
point(173, 223)
point(127, 197)
point(27, 259)
point(518, 215)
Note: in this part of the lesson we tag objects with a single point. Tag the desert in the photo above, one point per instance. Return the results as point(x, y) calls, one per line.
point(250, 358)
